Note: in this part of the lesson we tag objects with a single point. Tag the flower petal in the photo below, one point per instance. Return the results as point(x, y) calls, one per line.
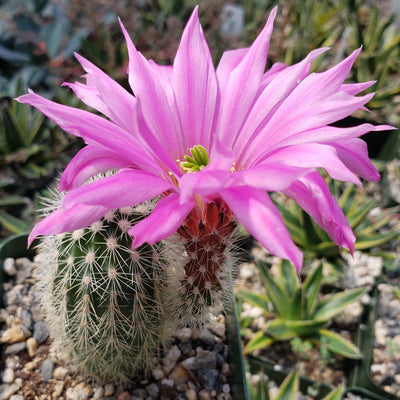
point(315, 155)
point(126, 188)
point(119, 102)
point(162, 222)
point(203, 183)
point(93, 129)
point(255, 210)
point(195, 85)
point(160, 111)
point(88, 162)
point(312, 194)
point(354, 154)
point(76, 216)
point(242, 86)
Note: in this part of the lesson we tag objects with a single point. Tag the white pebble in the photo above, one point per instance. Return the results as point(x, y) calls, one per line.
point(9, 266)
point(108, 389)
point(8, 375)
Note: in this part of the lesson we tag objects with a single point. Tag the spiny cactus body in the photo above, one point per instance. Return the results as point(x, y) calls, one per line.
point(102, 299)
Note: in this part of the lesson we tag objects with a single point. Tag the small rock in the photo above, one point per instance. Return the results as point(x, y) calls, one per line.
point(17, 397)
point(209, 377)
point(206, 360)
point(31, 345)
point(207, 337)
point(47, 369)
point(153, 390)
point(13, 335)
point(185, 347)
point(158, 373)
point(6, 391)
point(170, 359)
point(204, 395)
point(15, 348)
point(179, 375)
point(124, 396)
point(139, 393)
point(183, 335)
point(60, 373)
point(218, 329)
point(24, 269)
point(26, 318)
point(82, 391)
point(9, 267)
point(108, 389)
point(191, 394)
point(190, 363)
point(8, 375)
point(40, 332)
point(98, 393)
point(58, 388)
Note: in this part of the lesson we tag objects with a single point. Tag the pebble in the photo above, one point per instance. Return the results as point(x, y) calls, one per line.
point(206, 337)
point(13, 335)
point(204, 395)
point(58, 389)
point(47, 369)
point(31, 345)
point(191, 394)
point(6, 391)
point(9, 267)
point(179, 375)
point(184, 334)
point(124, 396)
point(27, 319)
point(15, 348)
point(60, 373)
point(170, 359)
point(8, 375)
point(153, 390)
point(17, 397)
point(40, 332)
point(98, 393)
point(108, 389)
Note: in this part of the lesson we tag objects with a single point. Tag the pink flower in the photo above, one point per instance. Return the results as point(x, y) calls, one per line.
point(244, 132)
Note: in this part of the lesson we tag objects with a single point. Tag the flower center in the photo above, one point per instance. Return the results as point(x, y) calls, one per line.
point(198, 160)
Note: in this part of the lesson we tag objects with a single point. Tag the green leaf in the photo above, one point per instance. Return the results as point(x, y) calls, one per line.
point(375, 240)
point(12, 201)
point(289, 278)
point(259, 341)
point(13, 224)
point(337, 344)
point(255, 299)
point(277, 296)
point(289, 387)
point(304, 328)
point(336, 394)
point(311, 288)
point(332, 304)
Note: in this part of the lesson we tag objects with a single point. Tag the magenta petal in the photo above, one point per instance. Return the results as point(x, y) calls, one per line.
point(354, 154)
point(243, 85)
point(315, 155)
point(88, 162)
point(271, 177)
point(120, 103)
point(195, 85)
point(312, 194)
point(203, 183)
point(93, 129)
point(153, 90)
point(126, 188)
point(162, 222)
point(76, 216)
point(255, 210)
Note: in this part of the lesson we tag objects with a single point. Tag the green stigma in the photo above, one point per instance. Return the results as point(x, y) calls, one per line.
point(198, 160)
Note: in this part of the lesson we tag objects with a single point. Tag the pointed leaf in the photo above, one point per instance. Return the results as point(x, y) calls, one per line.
point(311, 288)
point(332, 304)
point(336, 394)
point(12, 224)
point(278, 297)
point(289, 278)
point(289, 387)
point(255, 299)
point(337, 344)
point(259, 341)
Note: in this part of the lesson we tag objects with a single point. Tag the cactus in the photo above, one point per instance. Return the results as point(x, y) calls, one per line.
point(112, 308)
point(102, 299)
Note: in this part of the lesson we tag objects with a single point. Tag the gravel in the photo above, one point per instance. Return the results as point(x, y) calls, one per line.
point(195, 367)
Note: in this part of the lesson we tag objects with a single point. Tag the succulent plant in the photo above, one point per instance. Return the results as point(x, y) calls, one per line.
point(102, 299)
